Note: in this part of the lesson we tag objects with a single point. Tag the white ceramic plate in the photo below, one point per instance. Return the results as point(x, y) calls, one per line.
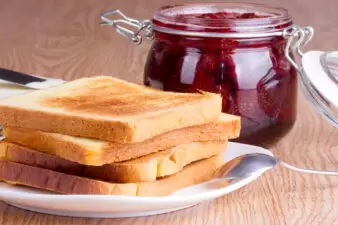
point(103, 206)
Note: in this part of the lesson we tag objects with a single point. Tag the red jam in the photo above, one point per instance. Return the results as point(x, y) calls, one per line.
point(252, 74)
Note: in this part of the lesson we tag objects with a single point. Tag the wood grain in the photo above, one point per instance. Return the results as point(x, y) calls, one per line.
point(63, 39)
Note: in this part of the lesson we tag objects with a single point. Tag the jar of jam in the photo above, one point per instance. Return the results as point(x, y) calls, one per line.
point(240, 51)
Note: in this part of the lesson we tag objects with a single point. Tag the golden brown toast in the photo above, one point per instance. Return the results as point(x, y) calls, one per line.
point(198, 172)
point(109, 109)
point(146, 168)
point(95, 152)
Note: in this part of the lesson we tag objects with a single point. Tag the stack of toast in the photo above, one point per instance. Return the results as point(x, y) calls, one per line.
point(103, 135)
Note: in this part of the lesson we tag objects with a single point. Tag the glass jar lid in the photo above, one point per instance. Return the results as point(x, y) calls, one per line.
point(320, 82)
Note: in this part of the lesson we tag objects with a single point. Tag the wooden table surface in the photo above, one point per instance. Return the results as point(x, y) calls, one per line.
point(63, 39)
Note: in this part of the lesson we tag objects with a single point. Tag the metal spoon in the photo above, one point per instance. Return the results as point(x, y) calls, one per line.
point(253, 163)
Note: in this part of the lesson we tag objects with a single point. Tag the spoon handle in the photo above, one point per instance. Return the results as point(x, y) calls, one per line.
point(311, 171)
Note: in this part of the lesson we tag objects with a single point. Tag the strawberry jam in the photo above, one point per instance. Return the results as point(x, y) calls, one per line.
point(233, 50)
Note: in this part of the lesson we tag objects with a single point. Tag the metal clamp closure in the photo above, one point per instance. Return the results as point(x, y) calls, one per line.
point(133, 35)
point(297, 38)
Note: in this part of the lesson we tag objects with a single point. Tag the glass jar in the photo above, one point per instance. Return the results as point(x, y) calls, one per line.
point(237, 50)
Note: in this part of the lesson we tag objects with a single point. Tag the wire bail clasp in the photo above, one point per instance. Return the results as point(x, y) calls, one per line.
point(297, 38)
point(133, 35)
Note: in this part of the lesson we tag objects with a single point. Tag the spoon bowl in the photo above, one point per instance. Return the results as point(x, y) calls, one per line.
point(250, 164)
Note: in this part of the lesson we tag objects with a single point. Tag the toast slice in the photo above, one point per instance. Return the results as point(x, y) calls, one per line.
point(95, 152)
point(20, 174)
point(109, 109)
point(143, 169)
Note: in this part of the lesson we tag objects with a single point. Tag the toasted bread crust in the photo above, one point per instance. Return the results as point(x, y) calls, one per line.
point(31, 111)
point(143, 169)
point(96, 153)
point(16, 173)
point(24, 155)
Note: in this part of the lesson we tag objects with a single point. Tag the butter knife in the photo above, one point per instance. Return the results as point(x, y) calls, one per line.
point(28, 80)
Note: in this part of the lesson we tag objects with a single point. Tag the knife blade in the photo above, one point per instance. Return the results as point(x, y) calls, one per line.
point(28, 80)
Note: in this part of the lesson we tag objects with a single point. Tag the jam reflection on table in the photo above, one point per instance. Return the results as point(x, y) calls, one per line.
point(253, 76)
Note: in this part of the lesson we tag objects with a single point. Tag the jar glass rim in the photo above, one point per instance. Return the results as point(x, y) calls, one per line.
point(270, 19)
